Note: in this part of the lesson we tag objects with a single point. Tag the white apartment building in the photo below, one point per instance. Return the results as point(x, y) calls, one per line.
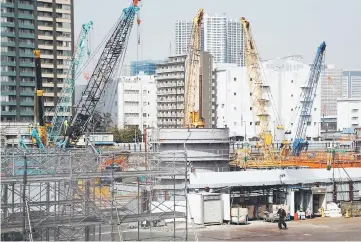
point(351, 84)
point(285, 78)
point(220, 36)
point(136, 102)
point(348, 113)
point(331, 83)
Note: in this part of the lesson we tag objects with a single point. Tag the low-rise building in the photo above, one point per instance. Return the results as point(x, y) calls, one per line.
point(348, 113)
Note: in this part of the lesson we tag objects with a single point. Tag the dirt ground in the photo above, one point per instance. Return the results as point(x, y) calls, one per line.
point(317, 229)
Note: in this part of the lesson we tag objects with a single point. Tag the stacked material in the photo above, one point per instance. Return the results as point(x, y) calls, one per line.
point(250, 211)
point(332, 210)
point(353, 208)
point(239, 215)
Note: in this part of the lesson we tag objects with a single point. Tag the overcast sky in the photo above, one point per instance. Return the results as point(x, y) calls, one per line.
point(280, 27)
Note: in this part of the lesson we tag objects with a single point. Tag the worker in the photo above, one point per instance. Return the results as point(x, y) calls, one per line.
point(282, 216)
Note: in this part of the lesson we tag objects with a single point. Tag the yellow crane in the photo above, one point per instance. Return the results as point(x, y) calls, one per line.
point(192, 117)
point(257, 90)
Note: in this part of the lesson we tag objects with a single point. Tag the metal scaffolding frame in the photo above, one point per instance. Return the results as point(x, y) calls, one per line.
point(60, 195)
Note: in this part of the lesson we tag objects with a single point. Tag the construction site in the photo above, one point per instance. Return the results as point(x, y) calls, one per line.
point(56, 190)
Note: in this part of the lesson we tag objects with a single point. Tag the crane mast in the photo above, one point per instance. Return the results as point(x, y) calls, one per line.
point(192, 66)
point(307, 101)
point(256, 88)
point(64, 103)
point(108, 63)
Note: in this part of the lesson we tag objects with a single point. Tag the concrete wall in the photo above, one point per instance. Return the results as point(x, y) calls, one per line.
point(206, 88)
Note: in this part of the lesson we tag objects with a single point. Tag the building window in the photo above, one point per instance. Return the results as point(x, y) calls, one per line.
point(235, 108)
point(234, 94)
point(235, 123)
point(250, 108)
point(235, 79)
point(314, 109)
point(250, 123)
point(291, 81)
point(291, 95)
point(308, 123)
point(291, 109)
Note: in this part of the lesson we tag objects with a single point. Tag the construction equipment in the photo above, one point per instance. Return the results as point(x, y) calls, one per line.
point(64, 104)
point(192, 117)
point(109, 61)
point(257, 89)
point(309, 93)
point(38, 130)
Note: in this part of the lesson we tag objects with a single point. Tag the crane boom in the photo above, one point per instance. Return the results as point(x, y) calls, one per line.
point(109, 60)
point(256, 87)
point(308, 98)
point(64, 103)
point(192, 66)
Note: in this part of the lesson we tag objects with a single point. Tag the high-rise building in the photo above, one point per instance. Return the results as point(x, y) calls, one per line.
point(26, 25)
point(147, 67)
point(171, 85)
point(331, 81)
point(220, 36)
point(351, 84)
point(285, 79)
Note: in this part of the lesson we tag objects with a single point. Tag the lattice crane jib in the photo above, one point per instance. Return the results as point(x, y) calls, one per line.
point(256, 88)
point(192, 68)
point(109, 61)
point(308, 97)
point(64, 104)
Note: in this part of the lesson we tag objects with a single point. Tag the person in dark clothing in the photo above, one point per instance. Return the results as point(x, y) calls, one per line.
point(282, 216)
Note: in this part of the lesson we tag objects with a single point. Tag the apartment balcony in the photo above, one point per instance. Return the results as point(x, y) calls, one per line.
point(354, 122)
point(169, 100)
point(46, 37)
point(27, 74)
point(63, 57)
point(26, 113)
point(8, 113)
point(48, 84)
point(8, 63)
point(27, 93)
point(8, 73)
point(170, 77)
point(8, 93)
point(63, 48)
point(48, 94)
point(11, 15)
point(49, 104)
point(43, 9)
point(59, 10)
point(168, 115)
point(8, 24)
point(24, 16)
point(171, 107)
point(6, 5)
point(63, 20)
point(26, 64)
point(26, 6)
point(61, 85)
point(46, 65)
point(8, 34)
point(43, 18)
point(63, 1)
point(50, 28)
point(8, 83)
point(49, 75)
point(62, 76)
point(47, 1)
point(26, 54)
point(26, 35)
point(160, 93)
point(31, 104)
point(169, 70)
point(62, 67)
point(47, 56)
point(172, 84)
point(27, 45)
point(9, 103)
point(62, 38)
point(26, 26)
point(67, 30)
point(27, 84)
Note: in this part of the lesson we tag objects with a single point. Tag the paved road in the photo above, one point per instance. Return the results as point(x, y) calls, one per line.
point(319, 229)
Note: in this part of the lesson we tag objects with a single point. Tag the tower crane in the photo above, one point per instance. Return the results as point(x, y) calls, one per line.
point(307, 101)
point(109, 61)
point(257, 89)
point(64, 103)
point(192, 117)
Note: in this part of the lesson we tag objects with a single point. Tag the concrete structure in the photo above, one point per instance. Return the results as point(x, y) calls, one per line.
point(349, 113)
point(170, 81)
point(135, 102)
point(147, 67)
point(206, 149)
point(26, 25)
point(285, 78)
point(351, 84)
point(221, 37)
point(308, 189)
point(331, 83)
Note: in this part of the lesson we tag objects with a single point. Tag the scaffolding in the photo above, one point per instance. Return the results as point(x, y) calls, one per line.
point(64, 195)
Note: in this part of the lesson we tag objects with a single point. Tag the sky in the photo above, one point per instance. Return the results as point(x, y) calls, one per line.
point(280, 27)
